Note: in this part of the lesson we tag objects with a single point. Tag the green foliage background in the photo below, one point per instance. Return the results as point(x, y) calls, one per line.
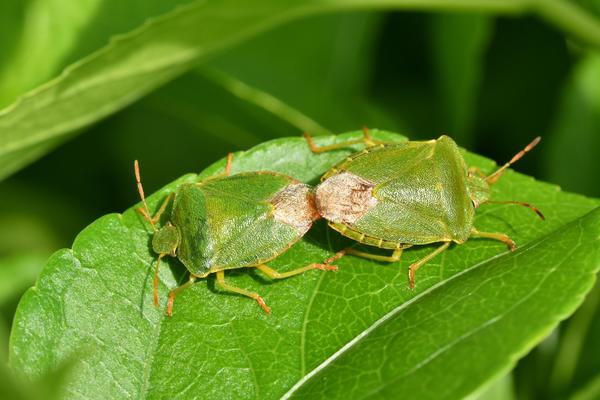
point(86, 87)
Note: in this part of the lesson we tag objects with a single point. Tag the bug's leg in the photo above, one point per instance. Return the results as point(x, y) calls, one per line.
point(415, 266)
point(227, 169)
point(162, 208)
point(336, 256)
point(519, 203)
point(271, 273)
point(496, 236)
point(228, 165)
point(377, 257)
point(247, 293)
point(175, 292)
point(160, 256)
point(367, 140)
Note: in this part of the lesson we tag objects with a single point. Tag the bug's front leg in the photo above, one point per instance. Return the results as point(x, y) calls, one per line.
point(175, 292)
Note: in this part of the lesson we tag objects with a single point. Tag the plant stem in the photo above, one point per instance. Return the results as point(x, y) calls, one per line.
point(571, 18)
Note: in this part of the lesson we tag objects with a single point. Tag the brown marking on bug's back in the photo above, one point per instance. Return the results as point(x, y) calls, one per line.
point(344, 198)
point(295, 205)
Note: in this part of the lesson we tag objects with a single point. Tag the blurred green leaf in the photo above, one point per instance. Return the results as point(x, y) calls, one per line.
point(518, 95)
point(49, 387)
point(323, 69)
point(200, 128)
point(11, 14)
point(169, 44)
point(590, 392)
point(18, 273)
point(47, 35)
point(459, 42)
point(588, 366)
point(475, 310)
point(36, 218)
point(264, 100)
point(575, 141)
point(576, 363)
point(500, 389)
point(130, 66)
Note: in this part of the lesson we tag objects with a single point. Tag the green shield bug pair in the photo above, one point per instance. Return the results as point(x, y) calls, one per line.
point(231, 221)
point(395, 196)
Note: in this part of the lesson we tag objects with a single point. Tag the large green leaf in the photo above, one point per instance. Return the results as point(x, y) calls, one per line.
point(361, 332)
point(169, 44)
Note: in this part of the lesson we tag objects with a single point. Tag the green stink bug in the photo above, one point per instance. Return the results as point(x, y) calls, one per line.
point(227, 222)
point(394, 196)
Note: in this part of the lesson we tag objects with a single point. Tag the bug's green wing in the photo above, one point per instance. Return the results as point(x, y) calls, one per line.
point(421, 192)
point(228, 222)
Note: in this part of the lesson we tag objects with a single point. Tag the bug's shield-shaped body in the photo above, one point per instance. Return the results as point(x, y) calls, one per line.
point(240, 221)
point(412, 193)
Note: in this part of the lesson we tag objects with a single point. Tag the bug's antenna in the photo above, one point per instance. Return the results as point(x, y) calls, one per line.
point(493, 178)
point(520, 203)
point(145, 211)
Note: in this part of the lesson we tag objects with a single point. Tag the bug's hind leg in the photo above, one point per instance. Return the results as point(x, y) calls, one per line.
point(243, 292)
point(377, 257)
point(496, 236)
point(416, 265)
point(175, 292)
point(271, 273)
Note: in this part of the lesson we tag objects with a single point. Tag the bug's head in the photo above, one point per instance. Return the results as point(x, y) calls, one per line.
point(166, 240)
point(478, 185)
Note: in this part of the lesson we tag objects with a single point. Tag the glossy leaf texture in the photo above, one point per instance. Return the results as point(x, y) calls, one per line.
point(357, 333)
point(154, 45)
